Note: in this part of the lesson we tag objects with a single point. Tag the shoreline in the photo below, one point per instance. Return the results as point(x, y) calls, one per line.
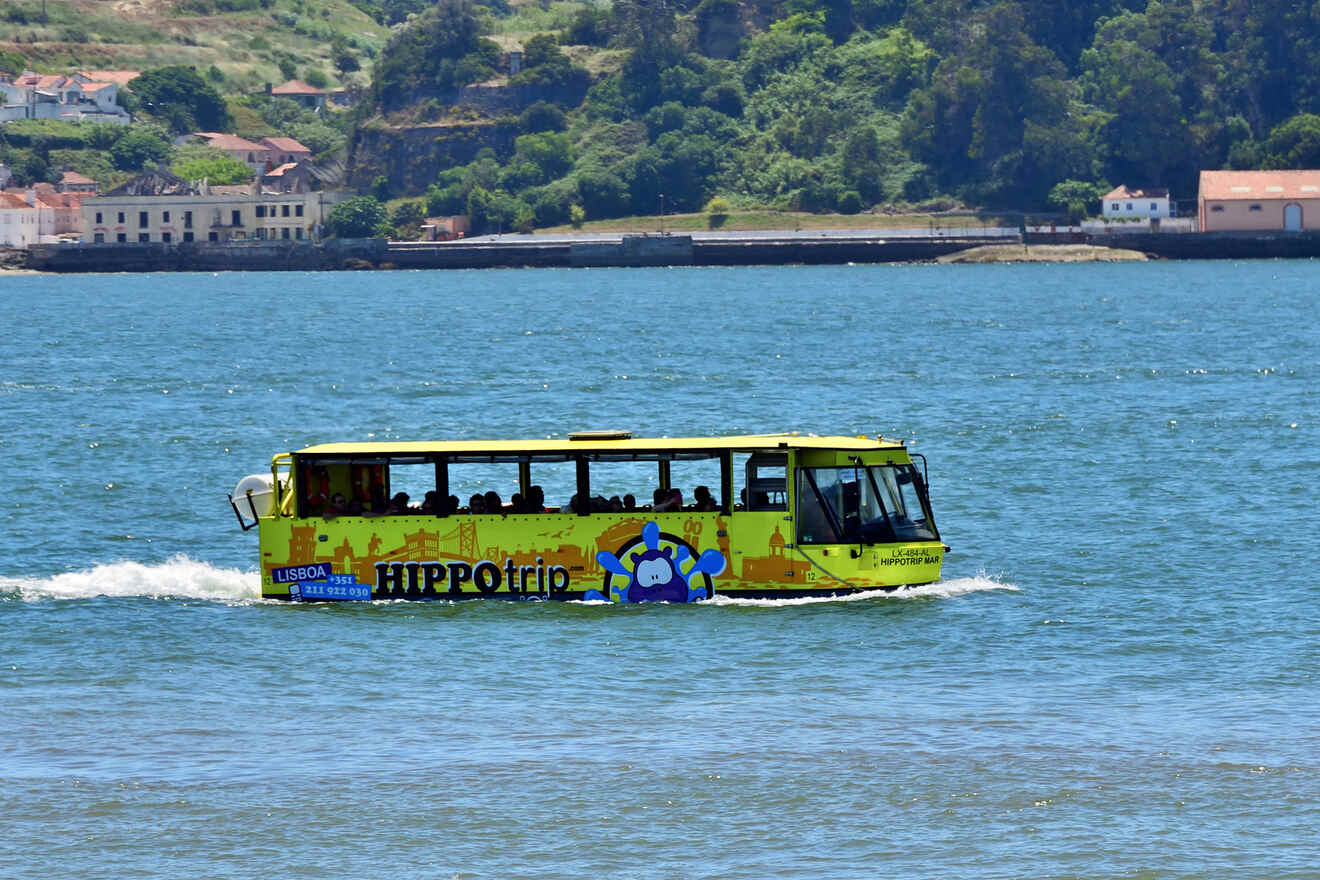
point(623, 250)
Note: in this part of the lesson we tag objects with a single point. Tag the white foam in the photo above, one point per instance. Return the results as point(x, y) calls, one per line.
point(179, 577)
point(939, 590)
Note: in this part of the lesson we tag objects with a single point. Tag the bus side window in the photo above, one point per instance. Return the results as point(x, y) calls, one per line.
point(765, 484)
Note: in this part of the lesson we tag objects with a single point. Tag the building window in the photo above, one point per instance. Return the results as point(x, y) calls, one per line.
point(1216, 209)
point(98, 217)
point(121, 238)
point(284, 212)
point(1113, 206)
point(284, 233)
point(236, 217)
point(99, 238)
point(165, 237)
point(142, 218)
point(261, 232)
point(1129, 206)
point(261, 210)
point(213, 237)
point(297, 210)
point(187, 221)
point(1254, 208)
point(1154, 208)
point(165, 217)
point(297, 233)
point(144, 237)
point(187, 236)
point(121, 217)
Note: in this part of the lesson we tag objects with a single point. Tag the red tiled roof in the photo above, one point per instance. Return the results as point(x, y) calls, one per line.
point(279, 172)
point(75, 178)
point(60, 200)
point(118, 77)
point(286, 145)
point(296, 87)
point(1122, 192)
point(1257, 185)
point(222, 141)
point(9, 200)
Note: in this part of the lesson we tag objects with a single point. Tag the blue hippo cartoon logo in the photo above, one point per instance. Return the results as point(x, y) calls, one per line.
point(645, 571)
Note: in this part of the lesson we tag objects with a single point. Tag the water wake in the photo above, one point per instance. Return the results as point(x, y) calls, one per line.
point(178, 578)
point(939, 590)
point(184, 578)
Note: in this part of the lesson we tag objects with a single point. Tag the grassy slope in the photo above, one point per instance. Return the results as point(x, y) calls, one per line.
point(135, 34)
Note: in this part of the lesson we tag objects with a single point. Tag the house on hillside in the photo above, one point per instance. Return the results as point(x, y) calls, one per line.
point(1136, 204)
point(76, 98)
point(253, 155)
point(73, 182)
point(286, 150)
point(1258, 201)
point(296, 90)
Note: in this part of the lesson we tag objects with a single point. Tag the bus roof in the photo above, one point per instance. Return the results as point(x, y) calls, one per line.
point(606, 441)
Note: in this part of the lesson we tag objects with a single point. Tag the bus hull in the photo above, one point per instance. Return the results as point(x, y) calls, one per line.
point(617, 557)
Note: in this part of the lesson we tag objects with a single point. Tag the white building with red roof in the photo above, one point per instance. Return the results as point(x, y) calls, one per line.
point(1258, 201)
point(22, 218)
point(76, 98)
point(1136, 204)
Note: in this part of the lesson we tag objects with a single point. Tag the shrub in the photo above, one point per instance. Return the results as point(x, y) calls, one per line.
point(359, 217)
point(850, 202)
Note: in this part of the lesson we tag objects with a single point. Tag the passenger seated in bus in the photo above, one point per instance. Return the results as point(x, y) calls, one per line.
point(453, 506)
point(336, 506)
point(431, 503)
point(535, 499)
point(629, 502)
point(668, 502)
point(476, 504)
point(616, 504)
point(318, 490)
point(399, 504)
point(493, 502)
point(703, 500)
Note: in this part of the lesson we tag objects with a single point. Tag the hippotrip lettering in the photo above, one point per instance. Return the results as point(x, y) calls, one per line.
point(430, 578)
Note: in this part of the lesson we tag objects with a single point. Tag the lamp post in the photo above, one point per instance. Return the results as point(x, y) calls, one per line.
point(662, 213)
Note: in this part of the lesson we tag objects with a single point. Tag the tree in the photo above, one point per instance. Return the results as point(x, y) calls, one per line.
point(997, 120)
point(1295, 143)
point(178, 96)
point(439, 49)
point(359, 217)
point(138, 146)
point(342, 57)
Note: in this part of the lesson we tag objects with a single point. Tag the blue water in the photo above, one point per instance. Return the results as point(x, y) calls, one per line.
point(1117, 676)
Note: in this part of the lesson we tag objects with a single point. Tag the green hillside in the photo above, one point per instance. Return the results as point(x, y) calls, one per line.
point(790, 105)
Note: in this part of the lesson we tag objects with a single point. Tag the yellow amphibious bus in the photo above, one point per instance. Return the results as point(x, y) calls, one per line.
point(599, 516)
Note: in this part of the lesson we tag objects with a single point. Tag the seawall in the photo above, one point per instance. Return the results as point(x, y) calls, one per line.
point(703, 249)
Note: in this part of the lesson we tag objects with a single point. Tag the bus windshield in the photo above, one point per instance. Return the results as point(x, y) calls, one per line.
point(872, 504)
